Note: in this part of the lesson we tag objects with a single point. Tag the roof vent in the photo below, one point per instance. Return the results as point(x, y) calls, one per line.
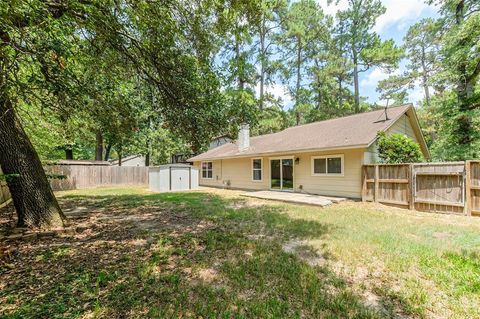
point(386, 108)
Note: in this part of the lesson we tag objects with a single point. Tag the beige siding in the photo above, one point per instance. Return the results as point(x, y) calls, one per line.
point(239, 173)
point(236, 172)
point(348, 185)
point(402, 126)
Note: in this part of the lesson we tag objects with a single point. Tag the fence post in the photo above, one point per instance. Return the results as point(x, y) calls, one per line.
point(411, 185)
point(375, 193)
point(467, 209)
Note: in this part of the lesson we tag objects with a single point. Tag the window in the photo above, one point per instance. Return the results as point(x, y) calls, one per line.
point(257, 169)
point(327, 165)
point(207, 170)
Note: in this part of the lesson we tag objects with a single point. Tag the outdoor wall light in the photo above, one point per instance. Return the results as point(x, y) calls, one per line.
point(297, 160)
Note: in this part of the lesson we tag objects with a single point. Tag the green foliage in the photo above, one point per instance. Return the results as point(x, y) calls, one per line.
point(56, 176)
point(8, 177)
point(159, 79)
point(439, 120)
point(398, 148)
point(363, 46)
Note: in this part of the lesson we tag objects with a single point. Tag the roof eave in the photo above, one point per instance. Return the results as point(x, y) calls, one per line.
point(417, 128)
point(325, 149)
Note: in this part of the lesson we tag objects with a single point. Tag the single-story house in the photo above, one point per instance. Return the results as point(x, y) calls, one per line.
point(322, 158)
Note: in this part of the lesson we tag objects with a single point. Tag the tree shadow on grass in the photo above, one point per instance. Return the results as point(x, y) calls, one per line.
point(174, 255)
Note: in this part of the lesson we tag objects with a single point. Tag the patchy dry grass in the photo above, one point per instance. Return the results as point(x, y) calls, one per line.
point(212, 253)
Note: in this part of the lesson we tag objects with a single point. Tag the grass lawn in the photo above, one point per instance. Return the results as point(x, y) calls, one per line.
point(213, 253)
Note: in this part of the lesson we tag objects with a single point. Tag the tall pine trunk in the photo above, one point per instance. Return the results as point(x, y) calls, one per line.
point(299, 80)
point(340, 93)
point(238, 57)
point(425, 78)
point(355, 82)
point(32, 195)
point(262, 61)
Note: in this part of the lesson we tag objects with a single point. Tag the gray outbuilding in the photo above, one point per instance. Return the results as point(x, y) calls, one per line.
point(173, 177)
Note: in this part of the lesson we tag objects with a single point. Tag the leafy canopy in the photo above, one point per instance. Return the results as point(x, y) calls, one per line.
point(398, 148)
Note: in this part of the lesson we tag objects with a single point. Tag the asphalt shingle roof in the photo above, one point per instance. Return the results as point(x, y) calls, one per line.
point(344, 132)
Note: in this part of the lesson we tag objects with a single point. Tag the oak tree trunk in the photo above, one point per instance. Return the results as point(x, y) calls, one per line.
point(32, 195)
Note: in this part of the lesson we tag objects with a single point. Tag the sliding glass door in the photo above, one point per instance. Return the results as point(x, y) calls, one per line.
point(281, 174)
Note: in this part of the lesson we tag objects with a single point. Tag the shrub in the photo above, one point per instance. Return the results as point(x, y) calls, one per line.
point(398, 148)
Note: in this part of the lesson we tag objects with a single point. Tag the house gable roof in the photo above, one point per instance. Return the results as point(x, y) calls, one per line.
point(354, 131)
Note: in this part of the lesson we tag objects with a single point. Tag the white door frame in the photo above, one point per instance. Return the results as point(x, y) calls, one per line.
point(281, 189)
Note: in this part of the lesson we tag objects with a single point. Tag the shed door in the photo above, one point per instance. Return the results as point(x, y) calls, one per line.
point(180, 178)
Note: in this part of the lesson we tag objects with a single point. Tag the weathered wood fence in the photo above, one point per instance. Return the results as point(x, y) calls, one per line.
point(451, 187)
point(87, 176)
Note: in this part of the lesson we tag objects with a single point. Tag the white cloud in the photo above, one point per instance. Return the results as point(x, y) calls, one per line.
point(277, 90)
point(371, 79)
point(416, 94)
point(332, 8)
point(401, 13)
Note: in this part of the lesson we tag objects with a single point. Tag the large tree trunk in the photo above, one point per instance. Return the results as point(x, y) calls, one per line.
point(32, 195)
point(119, 152)
point(99, 146)
point(355, 81)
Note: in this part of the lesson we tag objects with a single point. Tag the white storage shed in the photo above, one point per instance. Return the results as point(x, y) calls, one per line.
point(172, 177)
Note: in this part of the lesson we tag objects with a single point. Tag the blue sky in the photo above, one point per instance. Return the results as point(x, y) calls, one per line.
point(399, 16)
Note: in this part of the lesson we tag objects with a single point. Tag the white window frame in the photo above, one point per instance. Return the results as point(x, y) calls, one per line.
point(261, 169)
point(326, 157)
point(201, 170)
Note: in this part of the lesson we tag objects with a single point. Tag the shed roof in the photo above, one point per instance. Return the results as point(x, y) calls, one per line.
point(358, 130)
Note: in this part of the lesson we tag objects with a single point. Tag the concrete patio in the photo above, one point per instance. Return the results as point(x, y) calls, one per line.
point(297, 198)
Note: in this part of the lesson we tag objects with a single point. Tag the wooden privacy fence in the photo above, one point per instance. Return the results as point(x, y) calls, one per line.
point(452, 187)
point(86, 176)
